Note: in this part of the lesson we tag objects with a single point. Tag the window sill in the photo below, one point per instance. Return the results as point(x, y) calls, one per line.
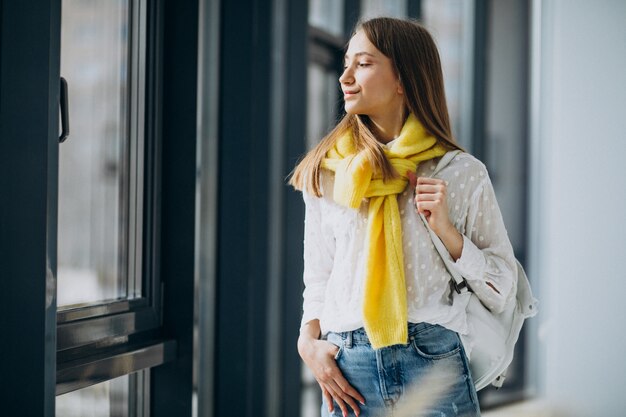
point(99, 367)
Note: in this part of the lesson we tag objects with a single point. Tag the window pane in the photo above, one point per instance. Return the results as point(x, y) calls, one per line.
point(126, 396)
point(327, 15)
point(94, 162)
point(450, 21)
point(323, 102)
point(391, 8)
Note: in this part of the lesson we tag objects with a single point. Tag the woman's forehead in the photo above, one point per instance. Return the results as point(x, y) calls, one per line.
point(361, 45)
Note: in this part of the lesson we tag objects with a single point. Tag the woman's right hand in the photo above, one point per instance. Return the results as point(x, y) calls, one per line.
point(319, 356)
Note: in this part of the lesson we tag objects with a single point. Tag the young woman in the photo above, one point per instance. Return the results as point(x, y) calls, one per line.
point(379, 312)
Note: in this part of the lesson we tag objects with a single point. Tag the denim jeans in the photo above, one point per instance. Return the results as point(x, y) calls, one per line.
point(382, 376)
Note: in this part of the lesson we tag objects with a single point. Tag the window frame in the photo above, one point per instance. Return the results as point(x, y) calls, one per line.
point(95, 340)
point(29, 163)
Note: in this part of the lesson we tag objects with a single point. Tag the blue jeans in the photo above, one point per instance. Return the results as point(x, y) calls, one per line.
point(383, 376)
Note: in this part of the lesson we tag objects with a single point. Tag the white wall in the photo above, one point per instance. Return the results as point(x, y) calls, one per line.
point(579, 207)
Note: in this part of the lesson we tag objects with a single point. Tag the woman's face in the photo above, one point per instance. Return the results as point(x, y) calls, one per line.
point(370, 85)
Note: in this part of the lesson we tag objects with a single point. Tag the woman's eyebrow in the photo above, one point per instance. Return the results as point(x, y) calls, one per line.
point(358, 54)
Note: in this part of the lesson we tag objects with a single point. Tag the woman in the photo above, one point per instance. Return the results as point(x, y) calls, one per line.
point(378, 309)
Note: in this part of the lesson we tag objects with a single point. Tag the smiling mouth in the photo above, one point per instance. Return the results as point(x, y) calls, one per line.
point(349, 93)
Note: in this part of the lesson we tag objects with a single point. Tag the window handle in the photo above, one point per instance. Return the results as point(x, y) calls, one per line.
point(65, 116)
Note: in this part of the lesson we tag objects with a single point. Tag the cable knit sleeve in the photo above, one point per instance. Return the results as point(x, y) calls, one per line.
point(487, 261)
point(319, 250)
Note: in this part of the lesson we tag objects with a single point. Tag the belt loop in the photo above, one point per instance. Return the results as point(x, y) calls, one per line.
point(349, 340)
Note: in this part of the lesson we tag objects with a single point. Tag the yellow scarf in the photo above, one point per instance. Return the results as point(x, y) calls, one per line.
point(384, 301)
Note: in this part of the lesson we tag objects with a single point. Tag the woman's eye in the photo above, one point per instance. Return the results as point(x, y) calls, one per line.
point(364, 64)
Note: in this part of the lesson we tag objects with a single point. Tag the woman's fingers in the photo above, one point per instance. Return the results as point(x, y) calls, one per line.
point(430, 197)
point(428, 188)
point(320, 360)
point(429, 180)
point(328, 398)
point(347, 399)
point(426, 206)
point(341, 398)
point(340, 389)
point(345, 386)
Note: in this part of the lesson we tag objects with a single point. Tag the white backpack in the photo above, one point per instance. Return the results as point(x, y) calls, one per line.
point(491, 337)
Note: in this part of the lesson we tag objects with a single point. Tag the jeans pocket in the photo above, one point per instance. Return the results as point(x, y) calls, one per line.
point(336, 340)
point(436, 342)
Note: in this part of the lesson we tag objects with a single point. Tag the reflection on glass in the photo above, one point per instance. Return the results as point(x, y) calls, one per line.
point(322, 101)
point(391, 8)
point(327, 15)
point(93, 165)
point(448, 21)
point(95, 401)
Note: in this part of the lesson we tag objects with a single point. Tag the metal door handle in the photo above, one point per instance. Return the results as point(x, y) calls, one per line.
point(65, 116)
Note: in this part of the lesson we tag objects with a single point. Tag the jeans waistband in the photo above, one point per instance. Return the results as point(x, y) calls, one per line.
point(359, 336)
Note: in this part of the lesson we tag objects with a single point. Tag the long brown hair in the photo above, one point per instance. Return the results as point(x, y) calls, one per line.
point(415, 60)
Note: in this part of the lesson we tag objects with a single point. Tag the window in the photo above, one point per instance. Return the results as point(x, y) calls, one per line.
point(99, 167)
point(124, 230)
point(108, 399)
point(451, 24)
point(108, 290)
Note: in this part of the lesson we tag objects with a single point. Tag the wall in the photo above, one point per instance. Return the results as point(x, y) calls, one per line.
point(579, 201)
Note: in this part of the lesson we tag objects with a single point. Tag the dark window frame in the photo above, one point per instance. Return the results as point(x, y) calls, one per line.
point(126, 327)
point(138, 334)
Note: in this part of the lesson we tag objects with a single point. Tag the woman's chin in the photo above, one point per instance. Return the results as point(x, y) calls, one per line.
point(351, 109)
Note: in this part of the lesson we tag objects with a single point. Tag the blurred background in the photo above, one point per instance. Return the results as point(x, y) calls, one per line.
point(152, 262)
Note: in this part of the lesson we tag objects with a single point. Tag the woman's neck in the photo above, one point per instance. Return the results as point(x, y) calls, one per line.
point(388, 127)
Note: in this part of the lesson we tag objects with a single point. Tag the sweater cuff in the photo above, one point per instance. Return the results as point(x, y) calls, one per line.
point(312, 312)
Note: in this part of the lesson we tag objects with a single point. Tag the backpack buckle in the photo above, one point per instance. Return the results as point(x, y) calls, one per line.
point(458, 287)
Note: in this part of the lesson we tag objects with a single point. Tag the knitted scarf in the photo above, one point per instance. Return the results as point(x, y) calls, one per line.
point(384, 302)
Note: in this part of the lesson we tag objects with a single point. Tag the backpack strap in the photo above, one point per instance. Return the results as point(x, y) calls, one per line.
point(458, 282)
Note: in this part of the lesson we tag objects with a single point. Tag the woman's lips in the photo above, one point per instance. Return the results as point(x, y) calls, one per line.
point(347, 94)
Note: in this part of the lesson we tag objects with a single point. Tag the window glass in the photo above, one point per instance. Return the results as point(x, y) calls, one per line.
point(323, 105)
point(391, 8)
point(95, 161)
point(323, 102)
point(449, 22)
point(125, 396)
point(327, 15)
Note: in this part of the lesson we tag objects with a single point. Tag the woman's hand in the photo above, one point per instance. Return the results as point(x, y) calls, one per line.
point(430, 200)
point(319, 356)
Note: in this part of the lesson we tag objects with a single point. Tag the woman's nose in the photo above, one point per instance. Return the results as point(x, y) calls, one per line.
point(346, 76)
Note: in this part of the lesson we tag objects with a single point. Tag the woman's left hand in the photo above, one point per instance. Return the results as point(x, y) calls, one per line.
point(430, 200)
